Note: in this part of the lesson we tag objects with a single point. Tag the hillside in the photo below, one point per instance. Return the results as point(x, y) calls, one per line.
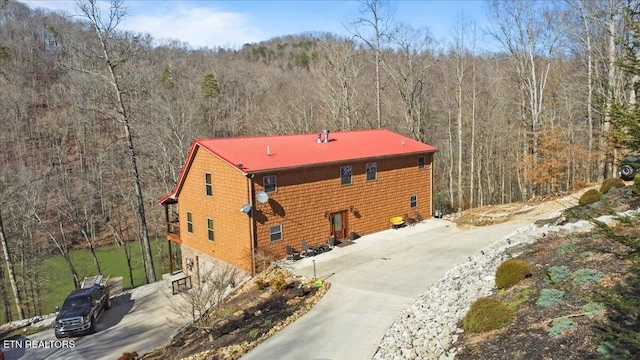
point(70, 175)
point(578, 302)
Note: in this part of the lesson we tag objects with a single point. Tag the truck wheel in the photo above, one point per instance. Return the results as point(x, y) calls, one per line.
point(92, 326)
point(107, 304)
point(627, 172)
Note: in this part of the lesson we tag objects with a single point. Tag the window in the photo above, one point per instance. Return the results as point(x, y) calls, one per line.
point(207, 184)
point(275, 232)
point(189, 222)
point(421, 162)
point(372, 171)
point(345, 175)
point(210, 234)
point(413, 201)
point(269, 183)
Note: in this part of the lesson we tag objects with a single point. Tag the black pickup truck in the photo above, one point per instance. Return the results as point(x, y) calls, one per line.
point(82, 309)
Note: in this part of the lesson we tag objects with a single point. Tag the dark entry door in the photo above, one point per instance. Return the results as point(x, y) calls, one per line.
point(339, 224)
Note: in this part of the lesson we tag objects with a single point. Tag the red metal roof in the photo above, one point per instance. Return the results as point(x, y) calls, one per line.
point(263, 153)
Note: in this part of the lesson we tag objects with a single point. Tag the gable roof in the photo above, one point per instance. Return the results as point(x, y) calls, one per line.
point(268, 153)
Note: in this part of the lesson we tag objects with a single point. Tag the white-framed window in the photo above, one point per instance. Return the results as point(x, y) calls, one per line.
point(208, 185)
point(413, 201)
point(269, 183)
point(210, 233)
point(275, 232)
point(189, 222)
point(372, 171)
point(345, 174)
point(421, 162)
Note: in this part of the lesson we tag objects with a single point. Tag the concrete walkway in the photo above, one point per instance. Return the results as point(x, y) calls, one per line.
point(372, 281)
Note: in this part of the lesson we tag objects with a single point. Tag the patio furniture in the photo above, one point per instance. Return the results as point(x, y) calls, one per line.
point(309, 250)
point(396, 222)
point(292, 253)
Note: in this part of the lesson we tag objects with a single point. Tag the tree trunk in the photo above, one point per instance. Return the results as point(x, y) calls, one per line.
point(607, 168)
point(92, 14)
point(12, 274)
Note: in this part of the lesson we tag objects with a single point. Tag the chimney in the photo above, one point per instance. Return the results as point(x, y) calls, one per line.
point(326, 135)
point(319, 138)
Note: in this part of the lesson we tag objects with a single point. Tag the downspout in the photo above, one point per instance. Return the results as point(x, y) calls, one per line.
point(252, 224)
point(431, 181)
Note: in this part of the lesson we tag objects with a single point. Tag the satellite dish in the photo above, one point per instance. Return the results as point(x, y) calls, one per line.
point(262, 197)
point(246, 208)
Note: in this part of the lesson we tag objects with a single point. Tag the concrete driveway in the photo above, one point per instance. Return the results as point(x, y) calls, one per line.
point(139, 320)
point(372, 281)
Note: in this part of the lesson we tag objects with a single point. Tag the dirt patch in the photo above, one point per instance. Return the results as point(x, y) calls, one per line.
point(528, 211)
point(576, 265)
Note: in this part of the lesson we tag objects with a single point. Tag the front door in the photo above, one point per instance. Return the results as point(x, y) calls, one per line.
point(339, 225)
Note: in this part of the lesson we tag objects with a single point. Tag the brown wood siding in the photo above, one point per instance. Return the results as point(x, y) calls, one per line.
point(304, 195)
point(232, 227)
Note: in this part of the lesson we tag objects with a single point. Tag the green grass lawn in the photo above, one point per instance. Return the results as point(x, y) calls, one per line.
point(57, 282)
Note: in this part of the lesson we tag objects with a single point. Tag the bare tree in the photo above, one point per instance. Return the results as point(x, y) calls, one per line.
point(376, 16)
point(337, 77)
point(408, 74)
point(200, 303)
point(11, 271)
point(526, 30)
point(112, 54)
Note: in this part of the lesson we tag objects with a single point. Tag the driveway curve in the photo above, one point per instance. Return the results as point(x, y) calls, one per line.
point(372, 281)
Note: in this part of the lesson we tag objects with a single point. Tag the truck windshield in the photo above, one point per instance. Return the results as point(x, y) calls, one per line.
point(75, 303)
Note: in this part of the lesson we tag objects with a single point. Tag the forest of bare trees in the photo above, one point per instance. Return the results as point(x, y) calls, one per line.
point(96, 122)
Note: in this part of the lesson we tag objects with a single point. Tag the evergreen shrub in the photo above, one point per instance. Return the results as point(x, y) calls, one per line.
point(584, 277)
point(487, 314)
point(559, 326)
point(566, 249)
point(558, 273)
point(511, 272)
point(549, 297)
point(611, 183)
point(636, 184)
point(590, 197)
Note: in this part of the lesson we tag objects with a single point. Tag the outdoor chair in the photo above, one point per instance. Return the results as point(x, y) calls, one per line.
point(397, 222)
point(309, 251)
point(292, 253)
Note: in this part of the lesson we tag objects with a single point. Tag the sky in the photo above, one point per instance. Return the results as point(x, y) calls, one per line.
point(231, 24)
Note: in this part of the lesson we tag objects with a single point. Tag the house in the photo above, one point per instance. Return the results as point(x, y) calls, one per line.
point(241, 198)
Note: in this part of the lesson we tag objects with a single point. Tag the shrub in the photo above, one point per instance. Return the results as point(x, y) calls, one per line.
point(593, 309)
point(558, 273)
point(559, 326)
point(278, 282)
point(511, 272)
point(611, 183)
point(487, 314)
point(584, 277)
point(636, 184)
point(520, 297)
point(261, 284)
point(549, 297)
point(565, 249)
point(590, 197)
